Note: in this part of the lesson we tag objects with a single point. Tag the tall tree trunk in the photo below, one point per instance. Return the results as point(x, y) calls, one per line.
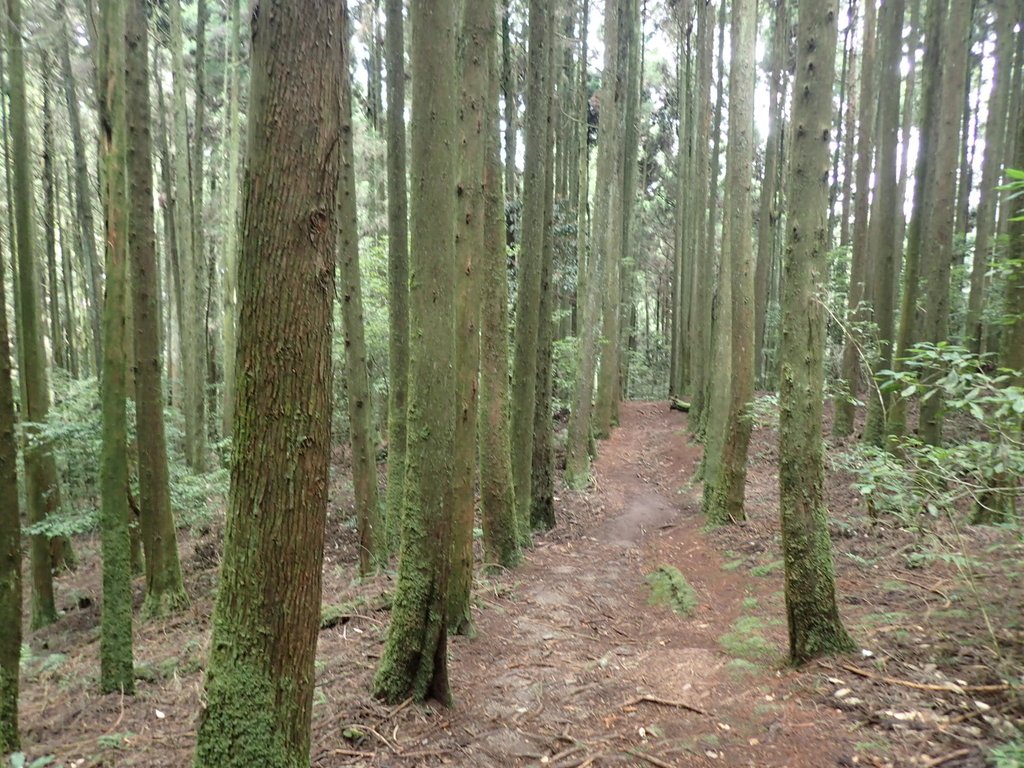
point(724, 490)
point(530, 263)
point(10, 543)
point(880, 290)
point(116, 668)
point(852, 361)
point(996, 129)
point(577, 463)
point(510, 95)
point(50, 193)
point(768, 212)
point(357, 375)
point(415, 659)
point(191, 315)
point(398, 267)
point(259, 683)
point(67, 250)
point(938, 238)
point(83, 190)
point(497, 503)
point(165, 591)
point(42, 490)
point(230, 305)
point(810, 588)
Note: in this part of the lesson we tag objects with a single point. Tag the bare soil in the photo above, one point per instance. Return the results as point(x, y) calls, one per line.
point(571, 664)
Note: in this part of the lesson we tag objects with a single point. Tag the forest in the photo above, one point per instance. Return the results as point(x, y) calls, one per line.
point(512, 383)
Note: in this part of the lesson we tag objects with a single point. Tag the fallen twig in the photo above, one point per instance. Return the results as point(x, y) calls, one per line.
point(649, 758)
point(950, 687)
point(664, 702)
point(936, 761)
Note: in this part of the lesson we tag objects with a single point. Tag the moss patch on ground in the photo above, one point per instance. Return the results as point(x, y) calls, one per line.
point(669, 587)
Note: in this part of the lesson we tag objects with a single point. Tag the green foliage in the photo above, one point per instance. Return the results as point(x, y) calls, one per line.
point(745, 641)
point(20, 760)
point(669, 587)
point(763, 411)
point(915, 479)
point(564, 371)
point(1009, 755)
point(74, 431)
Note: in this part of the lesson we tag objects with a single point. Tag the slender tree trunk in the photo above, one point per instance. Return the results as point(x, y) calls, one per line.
point(398, 267)
point(469, 240)
point(768, 212)
point(815, 628)
point(415, 658)
point(497, 504)
point(357, 376)
point(50, 225)
point(509, 87)
point(230, 306)
point(42, 490)
point(577, 463)
point(530, 265)
point(116, 668)
point(996, 129)
point(724, 490)
point(165, 591)
point(259, 684)
point(191, 315)
point(853, 348)
point(67, 252)
point(884, 208)
point(83, 190)
point(938, 238)
point(10, 543)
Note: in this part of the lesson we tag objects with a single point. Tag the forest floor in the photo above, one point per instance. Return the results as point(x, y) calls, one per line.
point(573, 666)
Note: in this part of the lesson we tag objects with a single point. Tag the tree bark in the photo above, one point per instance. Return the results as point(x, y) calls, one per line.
point(815, 628)
point(259, 683)
point(415, 662)
point(230, 306)
point(165, 591)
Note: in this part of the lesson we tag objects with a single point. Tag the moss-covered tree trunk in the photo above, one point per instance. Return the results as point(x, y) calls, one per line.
point(811, 611)
point(497, 504)
point(415, 659)
point(116, 668)
point(398, 267)
point(10, 544)
point(357, 375)
point(259, 683)
point(469, 245)
point(852, 360)
point(165, 590)
point(230, 259)
point(530, 264)
point(191, 317)
point(724, 490)
point(42, 490)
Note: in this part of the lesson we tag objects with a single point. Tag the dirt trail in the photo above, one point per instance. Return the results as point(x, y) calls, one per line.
point(564, 660)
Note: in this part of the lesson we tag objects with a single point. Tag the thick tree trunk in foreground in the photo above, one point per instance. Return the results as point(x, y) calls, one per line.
point(813, 617)
point(259, 683)
point(231, 224)
point(398, 268)
point(116, 667)
point(415, 659)
point(164, 588)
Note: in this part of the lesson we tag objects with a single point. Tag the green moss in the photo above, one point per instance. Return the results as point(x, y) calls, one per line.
point(669, 587)
point(749, 603)
point(766, 569)
point(239, 725)
point(745, 641)
point(740, 668)
point(733, 565)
